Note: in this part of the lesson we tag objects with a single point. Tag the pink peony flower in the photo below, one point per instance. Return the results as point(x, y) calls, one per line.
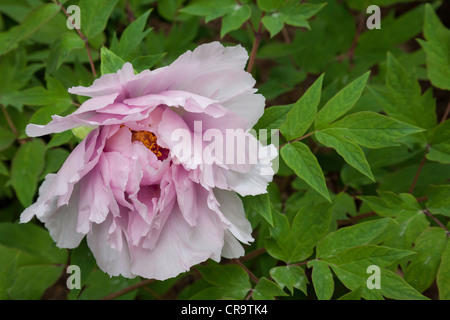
point(148, 207)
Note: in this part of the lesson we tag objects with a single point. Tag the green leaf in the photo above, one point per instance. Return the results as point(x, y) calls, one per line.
point(296, 243)
point(33, 242)
point(26, 167)
point(261, 205)
point(422, 270)
point(99, 284)
point(273, 23)
point(167, 9)
point(232, 279)
point(267, 290)
point(322, 279)
point(54, 159)
point(300, 159)
point(407, 212)
point(110, 62)
point(269, 5)
point(347, 237)
point(437, 48)
point(209, 9)
point(403, 100)
point(60, 139)
point(439, 200)
point(6, 138)
point(347, 149)
point(94, 16)
point(303, 112)
point(235, 18)
point(342, 102)
point(61, 49)
point(290, 277)
point(352, 295)
point(439, 140)
point(372, 130)
point(81, 132)
point(133, 35)
point(273, 117)
point(10, 39)
point(32, 281)
point(443, 276)
point(395, 287)
point(147, 62)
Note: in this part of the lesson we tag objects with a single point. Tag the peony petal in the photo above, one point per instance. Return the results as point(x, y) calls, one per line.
point(180, 246)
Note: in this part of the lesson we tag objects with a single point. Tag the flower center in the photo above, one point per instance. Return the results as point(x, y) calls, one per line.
point(149, 140)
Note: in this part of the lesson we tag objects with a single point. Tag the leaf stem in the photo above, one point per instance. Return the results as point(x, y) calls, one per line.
point(446, 112)
point(251, 275)
point(126, 290)
point(11, 124)
point(256, 43)
point(439, 223)
point(82, 36)
point(419, 170)
point(299, 139)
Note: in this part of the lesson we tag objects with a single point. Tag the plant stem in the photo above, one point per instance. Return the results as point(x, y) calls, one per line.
point(439, 223)
point(258, 37)
point(299, 139)
point(128, 289)
point(416, 177)
point(82, 36)
point(252, 276)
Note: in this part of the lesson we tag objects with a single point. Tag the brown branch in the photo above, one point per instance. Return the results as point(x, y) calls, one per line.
point(11, 124)
point(299, 139)
point(439, 223)
point(133, 287)
point(82, 36)
point(253, 254)
point(353, 220)
point(256, 43)
point(447, 111)
point(416, 177)
point(251, 275)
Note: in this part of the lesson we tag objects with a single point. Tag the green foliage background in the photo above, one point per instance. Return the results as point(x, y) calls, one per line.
point(365, 142)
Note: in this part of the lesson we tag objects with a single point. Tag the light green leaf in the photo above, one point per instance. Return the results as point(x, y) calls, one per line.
point(10, 39)
point(439, 200)
point(209, 9)
point(26, 167)
point(273, 23)
point(235, 18)
point(437, 48)
point(403, 100)
point(231, 278)
point(110, 62)
point(439, 140)
point(300, 159)
point(133, 35)
point(347, 237)
point(273, 117)
point(422, 270)
point(322, 279)
point(94, 16)
point(267, 290)
point(347, 149)
point(296, 243)
point(259, 204)
point(443, 275)
point(32, 281)
point(34, 243)
point(342, 102)
point(269, 5)
point(372, 130)
point(6, 138)
point(303, 112)
point(290, 277)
